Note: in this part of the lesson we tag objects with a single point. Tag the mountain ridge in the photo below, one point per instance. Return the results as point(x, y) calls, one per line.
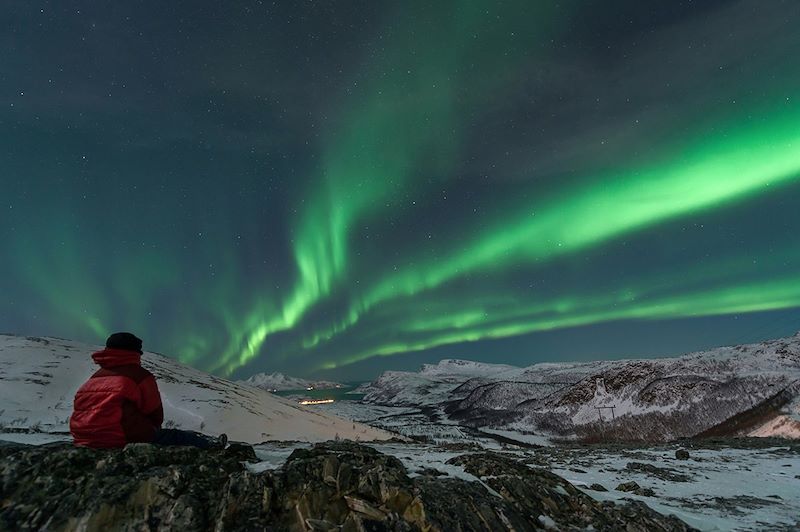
point(660, 398)
point(281, 382)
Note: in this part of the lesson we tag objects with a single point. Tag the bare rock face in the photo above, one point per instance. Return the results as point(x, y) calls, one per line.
point(142, 487)
point(332, 486)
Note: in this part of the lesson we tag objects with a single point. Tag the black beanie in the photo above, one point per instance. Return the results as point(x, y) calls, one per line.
point(125, 341)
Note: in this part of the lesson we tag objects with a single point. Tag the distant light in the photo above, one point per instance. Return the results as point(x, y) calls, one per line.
point(316, 401)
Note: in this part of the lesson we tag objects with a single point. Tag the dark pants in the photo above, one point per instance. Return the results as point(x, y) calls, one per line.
point(173, 437)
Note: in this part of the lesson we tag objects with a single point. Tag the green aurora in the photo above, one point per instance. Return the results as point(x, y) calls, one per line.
point(473, 173)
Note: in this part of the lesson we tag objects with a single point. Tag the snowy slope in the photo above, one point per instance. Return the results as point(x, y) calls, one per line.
point(280, 382)
point(670, 397)
point(785, 423)
point(658, 399)
point(39, 377)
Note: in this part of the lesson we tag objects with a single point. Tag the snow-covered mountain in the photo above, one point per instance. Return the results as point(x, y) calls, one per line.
point(433, 384)
point(749, 389)
point(276, 382)
point(39, 377)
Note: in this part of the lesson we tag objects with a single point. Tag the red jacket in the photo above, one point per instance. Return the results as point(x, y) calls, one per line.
point(119, 404)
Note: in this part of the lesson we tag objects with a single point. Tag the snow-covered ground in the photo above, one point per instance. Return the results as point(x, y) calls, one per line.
point(719, 488)
point(728, 484)
point(427, 423)
point(39, 377)
point(727, 488)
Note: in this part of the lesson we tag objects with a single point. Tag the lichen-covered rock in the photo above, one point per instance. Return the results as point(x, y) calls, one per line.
point(61, 487)
point(333, 486)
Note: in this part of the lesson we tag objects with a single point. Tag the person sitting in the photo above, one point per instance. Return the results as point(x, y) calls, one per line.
point(121, 404)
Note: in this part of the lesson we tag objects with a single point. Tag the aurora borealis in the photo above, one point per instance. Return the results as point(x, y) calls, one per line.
point(341, 187)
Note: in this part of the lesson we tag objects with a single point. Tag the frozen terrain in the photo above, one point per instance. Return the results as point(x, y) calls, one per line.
point(39, 377)
point(722, 486)
point(749, 389)
point(276, 382)
point(733, 484)
point(433, 384)
point(728, 480)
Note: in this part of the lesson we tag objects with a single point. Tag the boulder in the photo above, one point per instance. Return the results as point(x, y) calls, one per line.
point(633, 487)
point(628, 486)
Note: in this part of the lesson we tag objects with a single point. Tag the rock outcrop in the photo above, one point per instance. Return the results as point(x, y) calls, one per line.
point(332, 486)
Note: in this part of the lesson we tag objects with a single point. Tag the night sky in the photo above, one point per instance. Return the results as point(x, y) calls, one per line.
point(339, 187)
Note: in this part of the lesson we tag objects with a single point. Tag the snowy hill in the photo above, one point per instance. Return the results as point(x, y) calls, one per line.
point(656, 399)
point(433, 384)
point(39, 377)
point(276, 382)
point(666, 398)
point(464, 368)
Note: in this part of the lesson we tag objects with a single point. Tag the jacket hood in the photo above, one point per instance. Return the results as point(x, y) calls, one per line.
point(109, 357)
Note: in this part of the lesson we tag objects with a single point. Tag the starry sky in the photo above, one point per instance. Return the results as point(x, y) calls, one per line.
point(336, 188)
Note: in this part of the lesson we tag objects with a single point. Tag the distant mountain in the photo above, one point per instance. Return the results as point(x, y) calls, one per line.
point(39, 377)
point(432, 385)
point(754, 388)
point(277, 382)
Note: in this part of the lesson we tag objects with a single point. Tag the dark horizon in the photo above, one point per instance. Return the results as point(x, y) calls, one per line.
point(337, 188)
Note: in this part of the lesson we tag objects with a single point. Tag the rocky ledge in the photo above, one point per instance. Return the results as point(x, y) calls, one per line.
point(332, 486)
